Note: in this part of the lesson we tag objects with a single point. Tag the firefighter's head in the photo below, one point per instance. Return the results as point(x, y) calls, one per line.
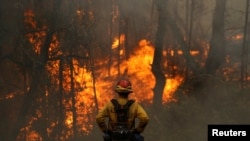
point(123, 87)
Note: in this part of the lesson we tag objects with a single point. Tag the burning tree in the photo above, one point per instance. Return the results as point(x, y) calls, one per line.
point(41, 41)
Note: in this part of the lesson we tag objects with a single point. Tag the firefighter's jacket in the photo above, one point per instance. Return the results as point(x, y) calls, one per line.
point(135, 112)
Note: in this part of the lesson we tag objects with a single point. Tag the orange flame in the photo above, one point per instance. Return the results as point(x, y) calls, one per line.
point(171, 86)
point(138, 69)
point(33, 136)
point(118, 41)
point(36, 34)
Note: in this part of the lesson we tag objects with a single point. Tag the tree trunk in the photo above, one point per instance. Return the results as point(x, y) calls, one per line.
point(191, 64)
point(75, 134)
point(244, 54)
point(157, 60)
point(216, 54)
point(61, 109)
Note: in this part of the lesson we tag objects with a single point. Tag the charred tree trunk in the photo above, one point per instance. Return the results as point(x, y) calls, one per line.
point(245, 49)
point(216, 54)
point(190, 62)
point(189, 27)
point(157, 60)
point(60, 122)
point(75, 134)
point(110, 38)
point(119, 46)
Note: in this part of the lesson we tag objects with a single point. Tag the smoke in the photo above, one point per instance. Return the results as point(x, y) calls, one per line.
point(217, 102)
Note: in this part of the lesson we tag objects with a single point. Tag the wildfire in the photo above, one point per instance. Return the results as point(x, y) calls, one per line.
point(138, 69)
point(91, 93)
point(89, 88)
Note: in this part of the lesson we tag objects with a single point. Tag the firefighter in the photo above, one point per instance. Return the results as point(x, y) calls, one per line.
point(123, 89)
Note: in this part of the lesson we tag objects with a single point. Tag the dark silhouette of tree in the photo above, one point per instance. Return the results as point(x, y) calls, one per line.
point(157, 59)
point(245, 49)
point(216, 55)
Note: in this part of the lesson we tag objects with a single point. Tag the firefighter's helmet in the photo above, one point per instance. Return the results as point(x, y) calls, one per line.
point(123, 86)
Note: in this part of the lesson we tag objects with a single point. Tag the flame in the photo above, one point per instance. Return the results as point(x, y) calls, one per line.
point(141, 63)
point(33, 136)
point(118, 41)
point(9, 96)
point(230, 70)
point(69, 119)
point(36, 34)
point(238, 36)
point(84, 95)
point(194, 52)
point(29, 18)
point(137, 68)
point(171, 86)
point(180, 52)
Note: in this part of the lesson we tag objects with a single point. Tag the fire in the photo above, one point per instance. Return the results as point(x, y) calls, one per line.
point(29, 18)
point(180, 52)
point(238, 36)
point(69, 119)
point(138, 68)
point(194, 52)
point(171, 86)
point(36, 34)
point(83, 94)
point(118, 41)
point(92, 89)
point(33, 136)
point(139, 72)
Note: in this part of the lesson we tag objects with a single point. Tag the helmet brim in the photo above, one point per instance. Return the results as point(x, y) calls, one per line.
point(123, 90)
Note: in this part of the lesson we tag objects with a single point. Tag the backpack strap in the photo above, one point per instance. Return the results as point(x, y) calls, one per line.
point(118, 106)
point(128, 104)
point(122, 110)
